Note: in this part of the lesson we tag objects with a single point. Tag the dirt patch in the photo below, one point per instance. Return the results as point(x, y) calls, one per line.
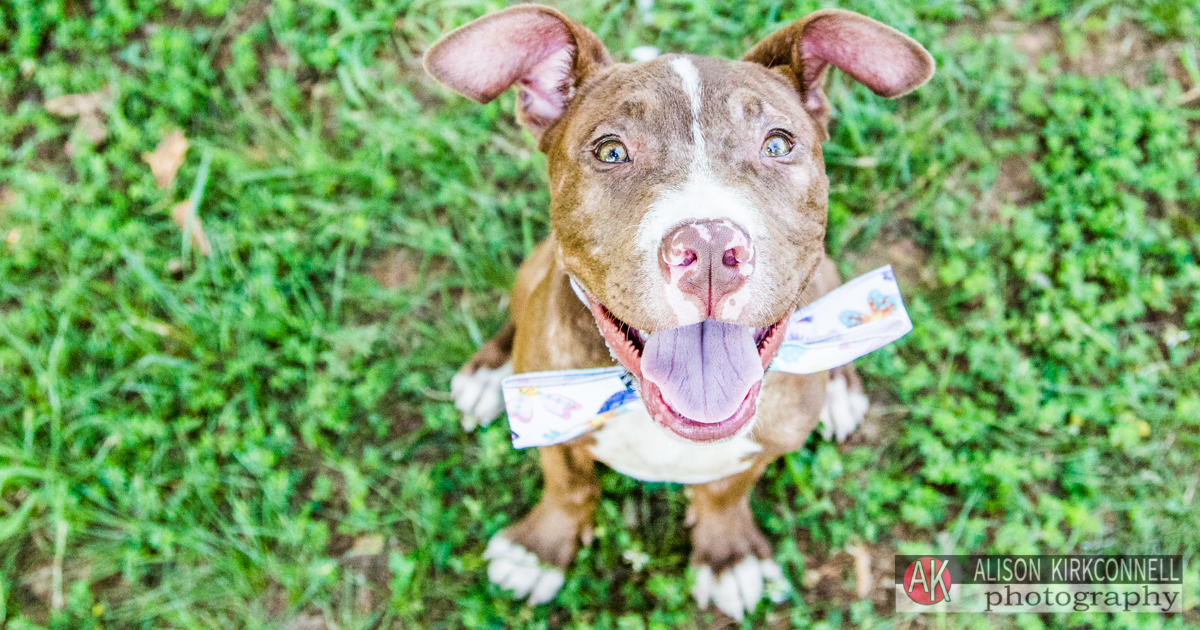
point(37, 590)
point(1014, 186)
point(907, 259)
point(1130, 53)
point(364, 557)
point(1031, 40)
point(249, 14)
point(7, 198)
point(237, 23)
point(857, 572)
point(312, 620)
point(400, 268)
point(394, 269)
point(1125, 50)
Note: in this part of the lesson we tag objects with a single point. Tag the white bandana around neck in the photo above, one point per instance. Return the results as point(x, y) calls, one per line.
point(853, 320)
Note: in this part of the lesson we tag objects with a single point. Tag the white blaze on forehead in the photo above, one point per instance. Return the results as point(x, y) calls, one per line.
point(691, 86)
point(691, 80)
point(700, 197)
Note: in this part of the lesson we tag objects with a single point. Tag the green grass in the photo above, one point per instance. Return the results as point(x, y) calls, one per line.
point(200, 442)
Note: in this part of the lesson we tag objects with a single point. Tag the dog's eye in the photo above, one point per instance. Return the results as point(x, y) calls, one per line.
point(776, 145)
point(612, 151)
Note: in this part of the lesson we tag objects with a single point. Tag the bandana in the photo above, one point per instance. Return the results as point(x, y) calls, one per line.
point(853, 320)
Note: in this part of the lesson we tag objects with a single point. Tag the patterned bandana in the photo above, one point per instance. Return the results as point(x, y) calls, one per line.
point(853, 320)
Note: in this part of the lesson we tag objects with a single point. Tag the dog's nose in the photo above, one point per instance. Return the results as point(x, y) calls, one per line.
point(709, 260)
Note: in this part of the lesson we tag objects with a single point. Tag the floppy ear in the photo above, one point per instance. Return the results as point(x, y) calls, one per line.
point(885, 60)
point(545, 53)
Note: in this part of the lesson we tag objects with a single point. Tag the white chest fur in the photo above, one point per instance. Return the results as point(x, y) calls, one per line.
point(633, 445)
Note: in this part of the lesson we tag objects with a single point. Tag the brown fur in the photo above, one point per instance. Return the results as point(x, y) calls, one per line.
point(723, 530)
point(563, 518)
point(496, 352)
point(609, 220)
point(595, 209)
point(555, 330)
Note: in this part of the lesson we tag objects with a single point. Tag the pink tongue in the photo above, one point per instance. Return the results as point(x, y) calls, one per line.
point(704, 370)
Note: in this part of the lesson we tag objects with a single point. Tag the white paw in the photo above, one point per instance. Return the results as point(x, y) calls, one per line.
point(478, 396)
point(512, 567)
point(843, 409)
point(737, 590)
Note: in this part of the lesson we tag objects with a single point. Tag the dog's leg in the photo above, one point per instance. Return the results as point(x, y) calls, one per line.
point(845, 403)
point(529, 558)
point(476, 387)
point(731, 557)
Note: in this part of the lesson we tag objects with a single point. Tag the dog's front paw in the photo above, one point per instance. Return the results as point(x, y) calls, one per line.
point(477, 394)
point(513, 567)
point(845, 404)
point(738, 589)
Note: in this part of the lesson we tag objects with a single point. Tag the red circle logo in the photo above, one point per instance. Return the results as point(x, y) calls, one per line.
point(927, 581)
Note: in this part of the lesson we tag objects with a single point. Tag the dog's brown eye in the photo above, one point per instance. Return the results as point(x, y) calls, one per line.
point(612, 151)
point(776, 145)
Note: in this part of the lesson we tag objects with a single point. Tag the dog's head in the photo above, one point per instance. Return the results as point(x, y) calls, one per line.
point(688, 194)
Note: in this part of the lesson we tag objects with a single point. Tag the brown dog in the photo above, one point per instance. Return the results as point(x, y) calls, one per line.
point(688, 208)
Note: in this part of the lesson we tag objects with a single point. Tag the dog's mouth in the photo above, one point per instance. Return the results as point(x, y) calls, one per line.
point(701, 381)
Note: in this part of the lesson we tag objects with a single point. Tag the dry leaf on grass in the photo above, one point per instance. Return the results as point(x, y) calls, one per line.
point(862, 569)
point(89, 108)
point(7, 198)
point(1188, 96)
point(71, 105)
point(183, 215)
point(92, 129)
point(370, 545)
point(306, 621)
point(166, 158)
point(40, 582)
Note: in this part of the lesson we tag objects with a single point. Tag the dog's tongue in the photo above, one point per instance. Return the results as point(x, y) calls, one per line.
point(704, 370)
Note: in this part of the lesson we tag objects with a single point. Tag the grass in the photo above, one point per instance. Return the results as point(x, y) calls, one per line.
point(261, 438)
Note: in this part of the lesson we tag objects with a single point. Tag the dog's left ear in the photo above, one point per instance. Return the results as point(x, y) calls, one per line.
point(545, 53)
point(885, 60)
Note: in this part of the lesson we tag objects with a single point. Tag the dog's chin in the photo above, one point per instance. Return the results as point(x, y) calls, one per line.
point(627, 343)
point(676, 425)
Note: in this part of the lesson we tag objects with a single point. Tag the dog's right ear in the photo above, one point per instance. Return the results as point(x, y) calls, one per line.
point(545, 53)
point(885, 60)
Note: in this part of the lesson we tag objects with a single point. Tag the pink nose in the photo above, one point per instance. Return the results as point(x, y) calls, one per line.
point(708, 260)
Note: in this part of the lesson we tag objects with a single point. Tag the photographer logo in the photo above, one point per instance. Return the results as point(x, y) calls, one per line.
point(927, 581)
